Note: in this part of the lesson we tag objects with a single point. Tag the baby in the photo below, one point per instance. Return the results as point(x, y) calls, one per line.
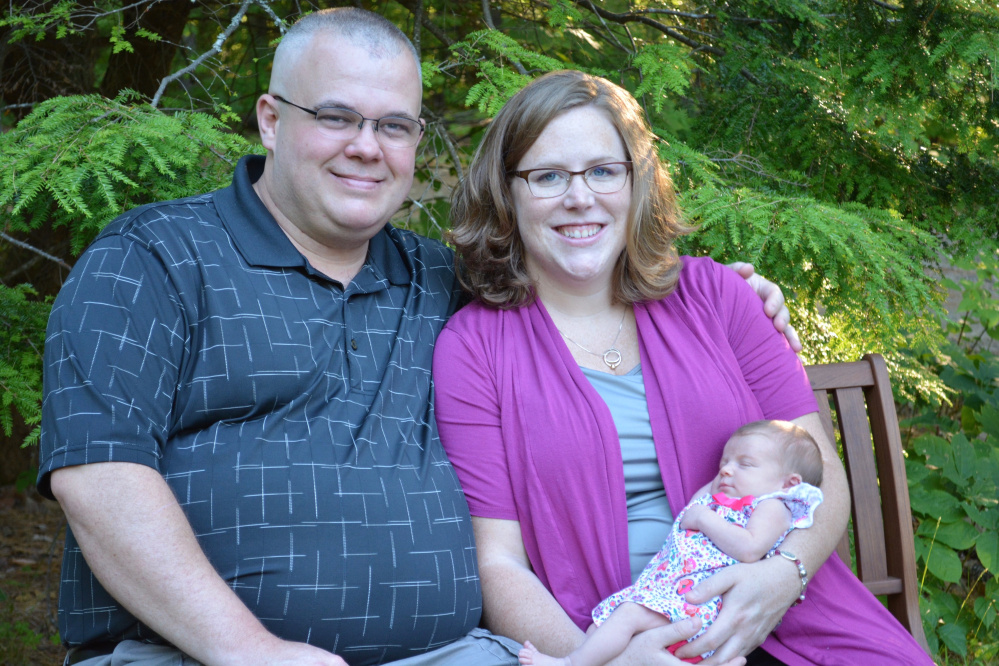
point(766, 486)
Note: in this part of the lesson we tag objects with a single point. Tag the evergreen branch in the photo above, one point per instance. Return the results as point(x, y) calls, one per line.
point(673, 12)
point(213, 150)
point(488, 18)
point(613, 38)
point(634, 17)
point(449, 144)
point(210, 53)
point(417, 21)
point(278, 21)
point(431, 27)
point(426, 210)
point(880, 3)
point(32, 248)
point(92, 17)
point(753, 165)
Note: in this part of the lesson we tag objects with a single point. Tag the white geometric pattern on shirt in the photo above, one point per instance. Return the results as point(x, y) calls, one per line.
point(310, 470)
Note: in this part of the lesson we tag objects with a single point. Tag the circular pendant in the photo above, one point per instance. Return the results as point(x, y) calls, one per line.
point(612, 357)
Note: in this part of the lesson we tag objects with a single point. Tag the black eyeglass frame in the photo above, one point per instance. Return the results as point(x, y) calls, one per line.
point(629, 168)
point(360, 125)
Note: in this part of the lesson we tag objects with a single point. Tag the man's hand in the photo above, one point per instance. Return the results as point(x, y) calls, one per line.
point(773, 301)
point(286, 653)
point(756, 596)
point(649, 647)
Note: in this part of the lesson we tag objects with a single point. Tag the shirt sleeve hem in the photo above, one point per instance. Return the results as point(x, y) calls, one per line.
point(482, 511)
point(91, 455)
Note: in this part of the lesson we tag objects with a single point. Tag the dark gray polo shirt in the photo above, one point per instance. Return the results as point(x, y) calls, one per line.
point(292, 418)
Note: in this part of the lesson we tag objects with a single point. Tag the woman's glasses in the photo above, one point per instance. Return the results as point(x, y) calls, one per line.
point(602, 179)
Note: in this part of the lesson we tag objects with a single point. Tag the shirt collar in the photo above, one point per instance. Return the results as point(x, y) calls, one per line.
point(260, 241)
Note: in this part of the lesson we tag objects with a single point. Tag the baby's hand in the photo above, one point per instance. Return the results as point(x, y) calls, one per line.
point(691, 517)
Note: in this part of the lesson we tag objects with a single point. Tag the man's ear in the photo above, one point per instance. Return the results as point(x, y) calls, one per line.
point(791, 480)
point(267, 121)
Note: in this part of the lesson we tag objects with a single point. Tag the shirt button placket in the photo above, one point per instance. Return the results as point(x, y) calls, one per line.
point(351, 347)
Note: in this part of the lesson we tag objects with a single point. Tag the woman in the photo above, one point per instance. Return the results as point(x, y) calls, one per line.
point(599, 375)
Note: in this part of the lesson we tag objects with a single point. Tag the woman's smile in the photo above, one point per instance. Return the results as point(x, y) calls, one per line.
point(579, 230)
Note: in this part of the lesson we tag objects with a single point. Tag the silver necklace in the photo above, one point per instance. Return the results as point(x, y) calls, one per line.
point(612, 357)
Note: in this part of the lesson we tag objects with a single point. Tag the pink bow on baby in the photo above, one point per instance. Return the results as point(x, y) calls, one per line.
point(737, 503)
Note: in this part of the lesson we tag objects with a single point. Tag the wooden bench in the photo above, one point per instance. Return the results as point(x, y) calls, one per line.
point(860, 394)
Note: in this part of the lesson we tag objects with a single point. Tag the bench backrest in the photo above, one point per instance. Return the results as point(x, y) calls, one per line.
point(860, 395)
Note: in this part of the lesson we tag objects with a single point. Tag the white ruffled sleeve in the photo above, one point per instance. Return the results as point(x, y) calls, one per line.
point(801, 500)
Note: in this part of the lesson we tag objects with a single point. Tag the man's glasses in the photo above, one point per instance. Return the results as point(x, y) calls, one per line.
point(602, 179)
point(344, 124)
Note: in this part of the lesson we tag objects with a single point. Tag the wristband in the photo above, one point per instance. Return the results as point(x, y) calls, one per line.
point(802, 572)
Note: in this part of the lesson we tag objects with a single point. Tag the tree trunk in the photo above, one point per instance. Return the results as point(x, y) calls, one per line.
point(149, 62)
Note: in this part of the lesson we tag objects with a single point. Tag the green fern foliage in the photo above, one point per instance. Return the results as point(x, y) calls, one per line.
point(665, 71)
point(81, 161)
point(495, 56)
point(858, 270)
point(22, 325)
point(33, 22)
point(562, 13)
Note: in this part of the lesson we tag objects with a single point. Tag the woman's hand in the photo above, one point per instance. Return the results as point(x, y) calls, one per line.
point(755, 596)
point(649, 647)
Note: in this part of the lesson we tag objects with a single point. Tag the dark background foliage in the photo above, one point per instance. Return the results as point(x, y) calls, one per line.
point(849, 148)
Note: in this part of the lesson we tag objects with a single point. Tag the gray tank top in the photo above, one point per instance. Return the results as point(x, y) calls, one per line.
point(649, 515)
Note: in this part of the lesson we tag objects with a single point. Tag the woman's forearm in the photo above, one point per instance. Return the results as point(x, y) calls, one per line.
point(514, 602)
point(814, 545)
point(516, 605)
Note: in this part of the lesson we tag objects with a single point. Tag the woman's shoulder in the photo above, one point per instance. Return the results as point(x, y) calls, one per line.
point(697, 266)
point(474, 317)
point(479, 326)
point(704, 284)
point(705, 273)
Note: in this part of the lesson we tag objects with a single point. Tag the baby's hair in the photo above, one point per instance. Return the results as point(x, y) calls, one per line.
point(799, 451)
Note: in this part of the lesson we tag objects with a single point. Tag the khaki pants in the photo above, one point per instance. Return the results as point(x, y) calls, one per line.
point(479, 647)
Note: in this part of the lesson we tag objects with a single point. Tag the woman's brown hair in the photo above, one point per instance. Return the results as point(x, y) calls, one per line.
point(484, 231)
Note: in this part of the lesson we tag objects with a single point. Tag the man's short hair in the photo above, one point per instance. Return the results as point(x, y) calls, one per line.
point(380, 36)
point(799, 452)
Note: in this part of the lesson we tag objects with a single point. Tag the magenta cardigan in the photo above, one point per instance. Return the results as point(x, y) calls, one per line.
point(532, 441)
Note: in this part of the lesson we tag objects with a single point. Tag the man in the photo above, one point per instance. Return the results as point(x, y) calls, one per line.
point(237, 416)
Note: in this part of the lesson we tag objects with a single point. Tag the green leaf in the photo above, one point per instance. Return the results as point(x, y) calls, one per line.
point(988, 550)
point(936, 449)
point(954, 636)
point(985, 610)
point(987, 518)
point(964, 458)
point(942, 606)
point(936, 504)
point(148, 34)
point(988, 417)
point(943, 562)
point(915, 471)
point(958, 535)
